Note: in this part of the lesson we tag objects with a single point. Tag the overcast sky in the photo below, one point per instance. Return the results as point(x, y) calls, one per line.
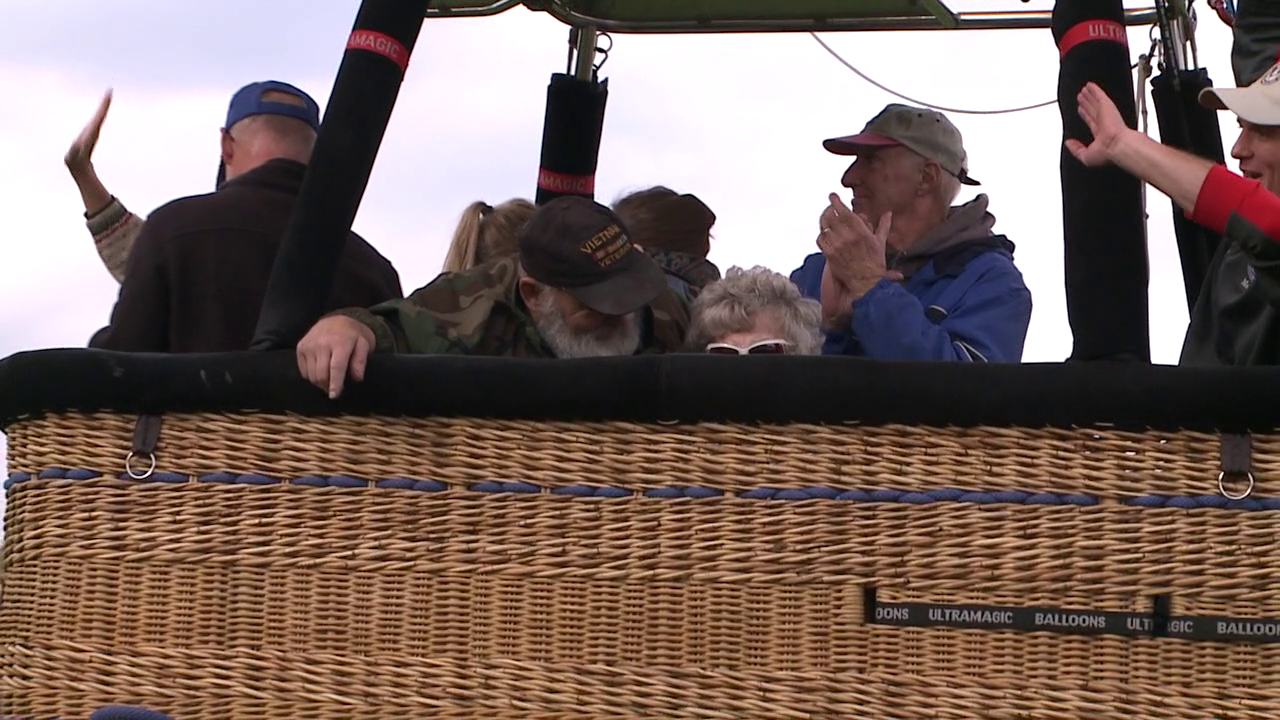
point(735, 119)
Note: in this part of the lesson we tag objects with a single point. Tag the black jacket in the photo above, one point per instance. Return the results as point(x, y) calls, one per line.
point(1236, 320)
point(198, 272)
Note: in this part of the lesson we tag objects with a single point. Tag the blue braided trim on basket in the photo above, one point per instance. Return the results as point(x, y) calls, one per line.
point(127, 712)
point(1192, 502)
point(909, 497)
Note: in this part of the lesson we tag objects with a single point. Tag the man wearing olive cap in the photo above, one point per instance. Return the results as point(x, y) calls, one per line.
point(578, 287)
point(1236, 319)
point(902, 274)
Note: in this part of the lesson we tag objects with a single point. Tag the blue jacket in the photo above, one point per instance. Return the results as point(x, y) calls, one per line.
point(967, 304)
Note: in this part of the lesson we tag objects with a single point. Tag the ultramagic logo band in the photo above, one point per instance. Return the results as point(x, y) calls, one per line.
point(382, 44)
point(566, 184)
point(1076, 622)
point(1092, 30)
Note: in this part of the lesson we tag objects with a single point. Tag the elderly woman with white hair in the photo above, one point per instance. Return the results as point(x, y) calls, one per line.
point(755, 312)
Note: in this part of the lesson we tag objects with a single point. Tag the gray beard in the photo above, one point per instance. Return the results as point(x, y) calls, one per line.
point(609, 342)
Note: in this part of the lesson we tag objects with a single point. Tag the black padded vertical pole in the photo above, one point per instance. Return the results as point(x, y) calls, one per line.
point(1255, 45)
point(571, 134)
point(1103, 228)
point(1188, 125)
point(355, 120)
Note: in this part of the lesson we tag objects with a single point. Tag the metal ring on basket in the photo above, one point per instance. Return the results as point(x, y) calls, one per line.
point(1223, 489)
point(128, 466)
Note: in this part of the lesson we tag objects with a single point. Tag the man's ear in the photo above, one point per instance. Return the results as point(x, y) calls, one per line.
point(529, 289)
point(930, 176)
point(228, 147)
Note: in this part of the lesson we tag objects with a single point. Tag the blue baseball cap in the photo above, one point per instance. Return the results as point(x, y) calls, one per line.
point(248, 102)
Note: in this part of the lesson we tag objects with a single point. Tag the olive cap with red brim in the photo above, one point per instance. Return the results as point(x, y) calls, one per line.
point(928, 133)
point(1258, 103)
point(580, 246)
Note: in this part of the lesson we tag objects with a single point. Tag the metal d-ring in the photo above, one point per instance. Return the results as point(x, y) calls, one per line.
point(128, 466)
point(1247, 491)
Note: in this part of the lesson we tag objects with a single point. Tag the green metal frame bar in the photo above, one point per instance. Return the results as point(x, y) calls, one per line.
point(939, 17)
point(494, 8)
point(947, 19)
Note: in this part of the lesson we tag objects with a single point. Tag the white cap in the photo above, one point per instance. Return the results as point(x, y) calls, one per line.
point(1258, 103)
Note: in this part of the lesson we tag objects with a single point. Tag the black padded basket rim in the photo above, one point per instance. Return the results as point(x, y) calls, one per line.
point(658, 388)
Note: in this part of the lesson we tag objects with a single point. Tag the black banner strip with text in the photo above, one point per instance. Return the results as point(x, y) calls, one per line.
point(1074, 622)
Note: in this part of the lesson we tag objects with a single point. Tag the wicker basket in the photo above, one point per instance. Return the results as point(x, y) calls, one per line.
point(279, 566)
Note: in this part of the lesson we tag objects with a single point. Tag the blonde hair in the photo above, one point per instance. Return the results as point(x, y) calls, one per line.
point(486, 232)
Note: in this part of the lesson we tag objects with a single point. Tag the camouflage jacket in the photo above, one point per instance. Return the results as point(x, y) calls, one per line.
point(480, 312)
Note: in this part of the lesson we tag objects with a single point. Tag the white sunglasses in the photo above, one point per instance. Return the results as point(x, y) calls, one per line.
point(763, 347)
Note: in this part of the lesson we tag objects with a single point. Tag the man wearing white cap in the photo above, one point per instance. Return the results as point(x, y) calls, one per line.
point(902, 274)
point(1236, 320)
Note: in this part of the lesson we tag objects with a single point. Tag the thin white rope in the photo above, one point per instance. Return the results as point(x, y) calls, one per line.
point(1145, 63)
point(921, 103)
point(1140, 92)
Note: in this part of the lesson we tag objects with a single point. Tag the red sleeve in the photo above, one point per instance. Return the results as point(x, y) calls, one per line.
point(1225, 193)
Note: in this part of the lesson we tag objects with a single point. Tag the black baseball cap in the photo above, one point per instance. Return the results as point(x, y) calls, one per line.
point(580, 246)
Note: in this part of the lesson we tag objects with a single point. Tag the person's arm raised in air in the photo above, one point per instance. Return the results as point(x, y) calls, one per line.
point(113, 227)
point(1208, 192)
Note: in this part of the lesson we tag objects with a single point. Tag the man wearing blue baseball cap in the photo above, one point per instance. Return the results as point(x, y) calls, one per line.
point(276, 100)
point(198, 271)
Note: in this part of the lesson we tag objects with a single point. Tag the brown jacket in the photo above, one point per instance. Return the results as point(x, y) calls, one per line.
point(198, 271)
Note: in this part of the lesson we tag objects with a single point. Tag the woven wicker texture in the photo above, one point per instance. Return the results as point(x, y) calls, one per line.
point(244, 601)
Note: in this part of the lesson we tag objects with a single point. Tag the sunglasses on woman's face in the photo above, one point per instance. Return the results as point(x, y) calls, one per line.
point(764, 347)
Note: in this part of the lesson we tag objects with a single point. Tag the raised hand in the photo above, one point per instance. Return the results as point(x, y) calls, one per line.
point(80, 155)
point(1106, 124)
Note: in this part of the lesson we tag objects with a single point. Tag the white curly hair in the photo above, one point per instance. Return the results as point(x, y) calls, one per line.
point(733, 303)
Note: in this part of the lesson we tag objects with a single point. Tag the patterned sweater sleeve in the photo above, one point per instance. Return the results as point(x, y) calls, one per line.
point(114, 231)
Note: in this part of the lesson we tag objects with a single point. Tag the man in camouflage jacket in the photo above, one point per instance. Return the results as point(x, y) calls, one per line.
point(578, 287)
